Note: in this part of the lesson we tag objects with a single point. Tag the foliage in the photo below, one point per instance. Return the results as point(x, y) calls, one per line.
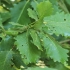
point(28, 33)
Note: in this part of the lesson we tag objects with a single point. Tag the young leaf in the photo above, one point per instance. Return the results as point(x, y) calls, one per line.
point(5, 60)
point(44, 9)
point(53, 49)
point(36, 40)
point(60, 25)
point(32, 14)
point(29, 52)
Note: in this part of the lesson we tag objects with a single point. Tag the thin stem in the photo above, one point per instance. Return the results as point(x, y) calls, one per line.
point(63, 5)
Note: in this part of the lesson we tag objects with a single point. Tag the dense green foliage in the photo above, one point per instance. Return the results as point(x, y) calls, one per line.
point(34, 30)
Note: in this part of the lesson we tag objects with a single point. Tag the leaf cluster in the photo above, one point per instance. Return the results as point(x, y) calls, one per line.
point(29, 32)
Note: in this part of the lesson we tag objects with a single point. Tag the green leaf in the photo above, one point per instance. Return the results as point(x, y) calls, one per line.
point(17, 60)
point(38, 68)
point(36, 40)
point(32, 14)
point(34, 4)
point(53, 49)
point(60, 66)
point(29, 52)
point(5, 16)
point(5, 60)
point(6, 43)
point(44, 9)
point(68, 1)
point(60, 25)
point(1, 28)
point(19, 13)
point(1, 22)
point(55, 5)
